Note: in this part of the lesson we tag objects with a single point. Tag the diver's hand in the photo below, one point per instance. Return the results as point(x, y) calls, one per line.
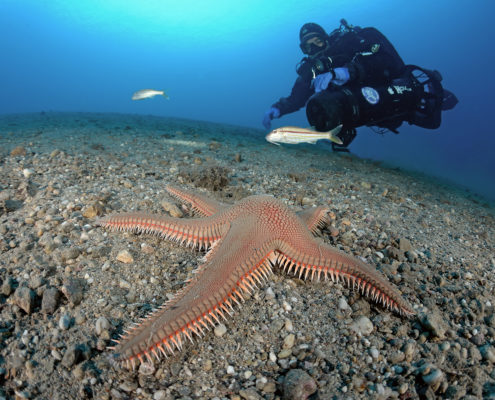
point(339, 76)
point(272, 113)
point(322, 81)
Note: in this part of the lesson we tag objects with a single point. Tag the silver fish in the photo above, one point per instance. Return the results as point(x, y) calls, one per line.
point(148, 93)
point(295, 135)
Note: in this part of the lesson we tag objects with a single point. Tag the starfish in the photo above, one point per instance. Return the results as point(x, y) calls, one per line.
point(243, 242)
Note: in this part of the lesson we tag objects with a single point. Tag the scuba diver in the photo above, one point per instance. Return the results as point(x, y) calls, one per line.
point(355, 77)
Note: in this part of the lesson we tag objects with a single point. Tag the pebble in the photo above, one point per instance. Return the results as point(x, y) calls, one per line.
point(289, 341)
point(101, 325)
point(488, 353)
point(64, 322)
point(298, 385)
point(27, 172)
point(433, 378)
point(269, 293)
point(172, 209)
point(50, 300)
point(147, 369)
point(343, 305)
point(362, 326)
point(125, 257)
point(220, 330)
point(434, 323)
point(25, 298)
point(230, 370)
point(160, 395)
point(73, 290)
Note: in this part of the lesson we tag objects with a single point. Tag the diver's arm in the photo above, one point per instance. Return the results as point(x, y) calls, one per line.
point(301, 92)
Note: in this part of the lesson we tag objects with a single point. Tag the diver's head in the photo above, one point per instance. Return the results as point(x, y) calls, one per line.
point(313, 39)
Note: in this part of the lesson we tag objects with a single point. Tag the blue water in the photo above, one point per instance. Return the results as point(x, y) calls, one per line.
point(228, 61)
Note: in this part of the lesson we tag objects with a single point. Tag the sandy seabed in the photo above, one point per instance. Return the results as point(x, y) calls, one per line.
point(67, 287)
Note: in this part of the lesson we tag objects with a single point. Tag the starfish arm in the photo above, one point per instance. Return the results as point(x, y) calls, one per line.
point(315, 258)
point(198, 232)
point(315, 218)
point(200, 204)
point(240, 261)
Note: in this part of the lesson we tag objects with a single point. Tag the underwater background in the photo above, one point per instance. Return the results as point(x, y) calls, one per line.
point(227, 62)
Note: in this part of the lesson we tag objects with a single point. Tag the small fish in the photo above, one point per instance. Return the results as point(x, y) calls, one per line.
point(295, 135)
point(148, 93)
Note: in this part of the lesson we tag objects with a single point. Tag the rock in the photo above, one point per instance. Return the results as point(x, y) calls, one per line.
point(25, 298)
point(433, 323)
point(18, 151)
point(433, 377)
point(93, 211)
point(74, 354)
point(298, 385)
point(405, 245)
point(146, 369)
point(220, 330)
point(73, 290)
point(64, 322)
point(362, 326)
point(50, 300)
point(101, 325)
point(289, 341)
point(250, 394)
point(70, 254)
point(125, 257)
point(488, 353)
point(7, 286)
point(172, 209)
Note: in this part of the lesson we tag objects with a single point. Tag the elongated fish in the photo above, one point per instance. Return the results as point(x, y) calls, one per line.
point(148, 93)
point(295, 135)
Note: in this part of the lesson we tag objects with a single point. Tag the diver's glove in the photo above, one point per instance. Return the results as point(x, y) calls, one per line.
point(339, 76)
point(272, 113)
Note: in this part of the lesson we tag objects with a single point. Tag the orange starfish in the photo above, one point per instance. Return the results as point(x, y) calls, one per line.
point(245, 241)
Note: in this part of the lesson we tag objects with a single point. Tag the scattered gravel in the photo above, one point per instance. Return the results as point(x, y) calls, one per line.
point(68, 287)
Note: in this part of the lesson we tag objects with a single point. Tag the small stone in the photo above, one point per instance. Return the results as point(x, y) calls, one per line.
point(27, 172)
point(18, 151)
point(230, 370)
point(93, 211)
point(207, 365)
point(289, 327)
point(73, 290)
point(220, 330)
point(298, 385)
point(73, 355)
point(172, 209)
point(160, 395)
point(405, 245)
point(25, 299)
point(285, 353)
point(64, 322)
point(125, 257)
point(433, 378)
point(70, 254)
point(289, 341)
point(50, 300)
point(101, 325)
point(343, 305)
point(146, 369)
point(433, 323)
point(374, 353)
point(250, 394)
point(7, 286)
point(488, 353)
point(269, 293)
point(362, 326)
